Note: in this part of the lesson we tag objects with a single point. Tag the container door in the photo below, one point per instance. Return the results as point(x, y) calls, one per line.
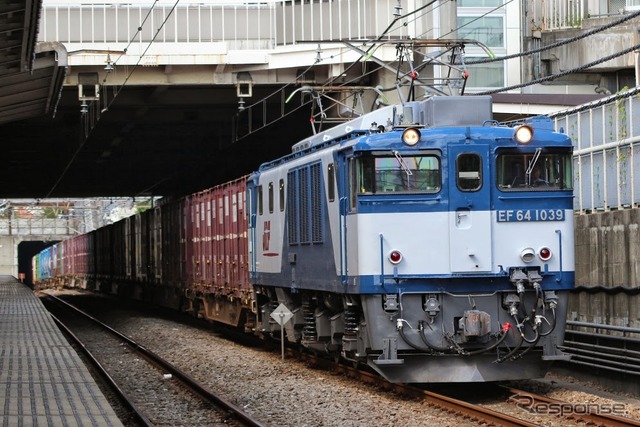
point(469, 208)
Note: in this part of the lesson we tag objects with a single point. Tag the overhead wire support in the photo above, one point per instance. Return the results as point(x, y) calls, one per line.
point(245, 116)
point(90, 124)
point(367, 48)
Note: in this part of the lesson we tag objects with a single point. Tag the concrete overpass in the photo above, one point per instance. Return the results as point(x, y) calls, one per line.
point(160, 120)
point(152, 90)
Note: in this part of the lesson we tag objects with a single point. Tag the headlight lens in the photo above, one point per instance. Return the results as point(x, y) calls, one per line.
point(411, 136)
point(523, 134)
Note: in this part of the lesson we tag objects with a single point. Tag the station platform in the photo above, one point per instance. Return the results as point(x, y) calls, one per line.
point(43, 381)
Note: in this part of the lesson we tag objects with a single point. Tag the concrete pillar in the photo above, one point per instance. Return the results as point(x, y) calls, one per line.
point(9, 255)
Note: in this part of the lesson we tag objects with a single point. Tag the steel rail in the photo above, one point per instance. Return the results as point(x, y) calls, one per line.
point(468, 410)
point(190, 382)
point(580, 412)
point(101, 369)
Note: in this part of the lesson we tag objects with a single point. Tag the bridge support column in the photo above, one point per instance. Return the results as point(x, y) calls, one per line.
point(9, 255)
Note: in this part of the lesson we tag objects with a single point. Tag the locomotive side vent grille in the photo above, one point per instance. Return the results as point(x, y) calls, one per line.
point(292, 208)
point(316, 204)
point(305, 205)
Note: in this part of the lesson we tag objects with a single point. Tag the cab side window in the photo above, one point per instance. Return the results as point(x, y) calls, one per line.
point(469, 172)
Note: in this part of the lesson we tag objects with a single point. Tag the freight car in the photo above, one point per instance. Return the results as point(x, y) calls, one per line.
point(423, 239)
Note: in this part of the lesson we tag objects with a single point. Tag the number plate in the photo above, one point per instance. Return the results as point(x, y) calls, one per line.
point(524, 215)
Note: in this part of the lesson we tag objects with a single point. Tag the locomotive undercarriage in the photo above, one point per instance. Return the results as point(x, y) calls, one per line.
point(427, 337)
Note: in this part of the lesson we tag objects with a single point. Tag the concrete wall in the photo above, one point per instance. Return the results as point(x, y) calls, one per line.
point(607, 259)
point(9, 255)
point(608, 248)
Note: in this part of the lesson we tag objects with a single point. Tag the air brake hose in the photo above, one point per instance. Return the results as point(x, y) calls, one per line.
point(528, 349)
point(515, 349)
point(502, 335)
point(400, 328)
point(433, 347)
point(553, 324)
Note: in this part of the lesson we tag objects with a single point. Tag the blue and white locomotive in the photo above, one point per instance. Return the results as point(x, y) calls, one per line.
point(423, 239)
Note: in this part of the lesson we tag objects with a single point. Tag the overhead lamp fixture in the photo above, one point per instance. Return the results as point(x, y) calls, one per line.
point(244, 84)
point(88, 87)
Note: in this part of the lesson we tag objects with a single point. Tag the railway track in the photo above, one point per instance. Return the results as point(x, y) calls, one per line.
point(151, 392)
point(590, 415)
point(477, 414)
point(536, 405)
point(523, 409)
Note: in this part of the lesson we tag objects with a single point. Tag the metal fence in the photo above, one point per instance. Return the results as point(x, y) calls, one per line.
point(561, 14)
point(600, 346)
point(37, 227)
point(242, 24)
point(606, 138)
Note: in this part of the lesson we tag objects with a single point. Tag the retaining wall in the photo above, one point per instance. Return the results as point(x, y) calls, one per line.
point(607, 260)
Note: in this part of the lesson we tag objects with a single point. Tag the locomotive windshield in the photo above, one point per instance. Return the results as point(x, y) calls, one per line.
point(396, 173)
point(535, 171)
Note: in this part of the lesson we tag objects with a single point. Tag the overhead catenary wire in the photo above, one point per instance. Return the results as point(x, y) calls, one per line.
point(561, 42)
point(86, 136)
point(415, 14)
point(564, 73)
point(173, 8)
point(492, 58)
point(332, 81)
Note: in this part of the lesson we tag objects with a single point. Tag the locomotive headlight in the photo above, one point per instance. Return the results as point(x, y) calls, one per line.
point(411, 136)
point(545, 254)
point(523, 134)
point(527, 255)
point(395, 257)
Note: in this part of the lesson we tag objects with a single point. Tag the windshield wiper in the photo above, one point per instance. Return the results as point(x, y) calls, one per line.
point(527, 173)
point(403, 165)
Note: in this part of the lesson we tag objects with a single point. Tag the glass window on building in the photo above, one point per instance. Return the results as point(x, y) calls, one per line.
point(487, 75)
point(488, 30)
point(480, 3)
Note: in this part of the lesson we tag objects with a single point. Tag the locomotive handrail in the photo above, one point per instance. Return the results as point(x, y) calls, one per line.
point(559, 232)
point(381, 259)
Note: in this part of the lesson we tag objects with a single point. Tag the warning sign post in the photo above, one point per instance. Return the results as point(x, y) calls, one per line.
point(282, 315)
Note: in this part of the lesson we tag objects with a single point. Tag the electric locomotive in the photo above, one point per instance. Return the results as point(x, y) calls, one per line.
point(423, 239)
